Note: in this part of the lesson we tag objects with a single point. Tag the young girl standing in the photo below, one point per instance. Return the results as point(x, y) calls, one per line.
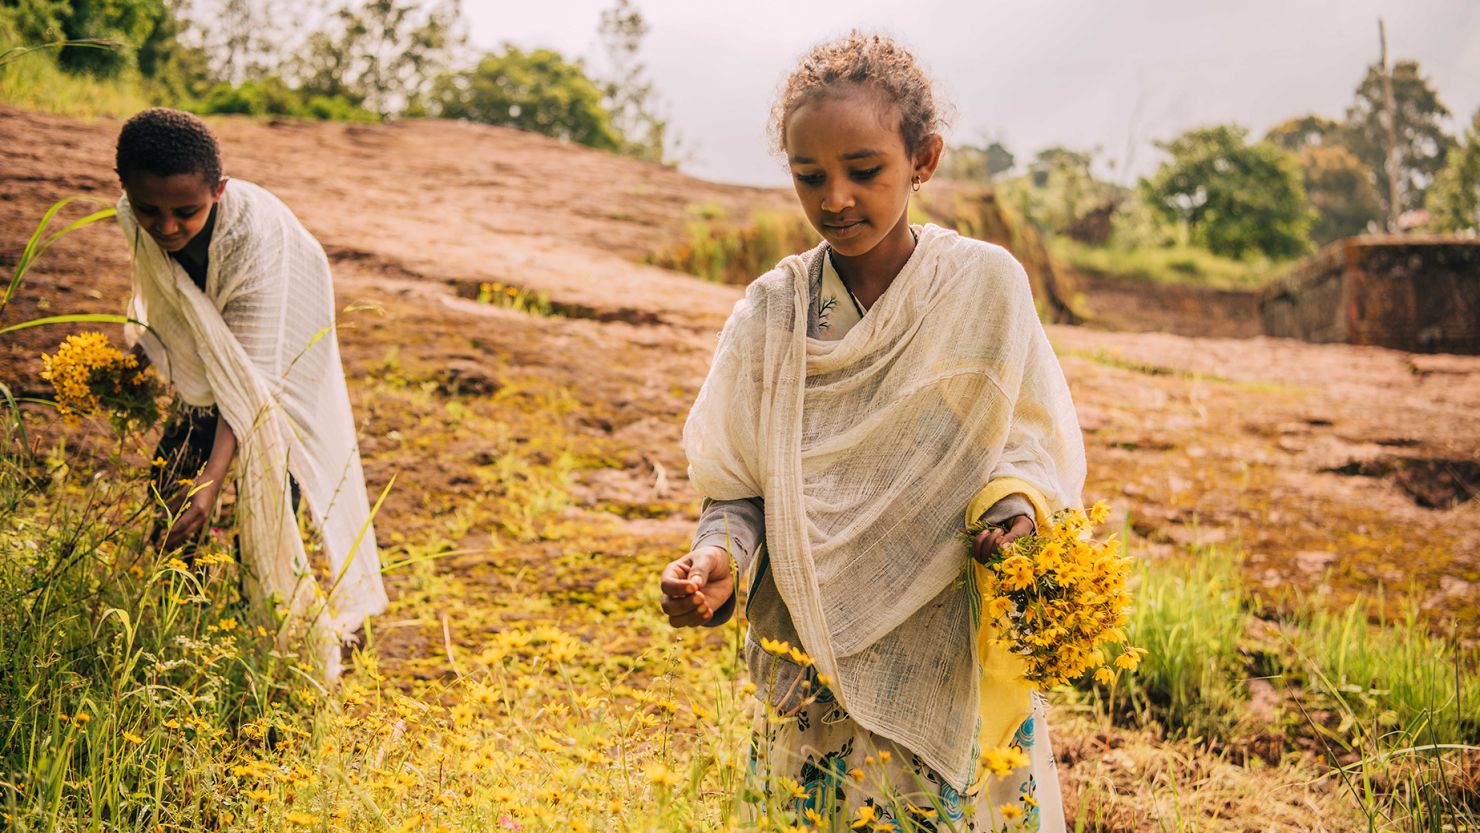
point(862, 396)
point(237, 305)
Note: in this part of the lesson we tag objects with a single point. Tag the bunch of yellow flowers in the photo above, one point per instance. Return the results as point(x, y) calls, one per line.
point(1058, 600)
point(91, 376)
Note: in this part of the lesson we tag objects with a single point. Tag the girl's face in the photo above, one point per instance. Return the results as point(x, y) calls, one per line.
point(852, 171)
point(173, 209)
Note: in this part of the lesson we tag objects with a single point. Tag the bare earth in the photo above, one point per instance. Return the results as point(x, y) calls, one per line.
point(1336, 468)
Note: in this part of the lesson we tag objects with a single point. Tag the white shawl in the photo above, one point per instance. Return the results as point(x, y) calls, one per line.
point(867, 451)
point(259, 343)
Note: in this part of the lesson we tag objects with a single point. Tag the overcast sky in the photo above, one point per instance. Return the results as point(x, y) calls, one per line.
point(1112, 74)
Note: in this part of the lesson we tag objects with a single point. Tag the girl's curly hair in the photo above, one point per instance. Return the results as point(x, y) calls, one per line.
point(874, 61)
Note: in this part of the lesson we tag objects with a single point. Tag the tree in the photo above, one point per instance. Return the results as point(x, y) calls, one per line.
point(1340, 190)
point(1421, 140)
point(383, 55)
point(1310, 130)
point(1454, 200)
point(538, 91)
point(629, 95)
point(1235, 197)
point(1338, 186)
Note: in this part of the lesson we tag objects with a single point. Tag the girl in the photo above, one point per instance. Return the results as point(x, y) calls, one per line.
point(862, 396)
point(235, 307)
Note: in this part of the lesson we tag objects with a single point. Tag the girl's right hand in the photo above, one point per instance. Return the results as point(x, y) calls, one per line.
point(695, 586)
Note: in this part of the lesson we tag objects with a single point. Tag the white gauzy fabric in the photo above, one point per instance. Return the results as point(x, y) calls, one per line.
point(867, 451)
point(259, 343)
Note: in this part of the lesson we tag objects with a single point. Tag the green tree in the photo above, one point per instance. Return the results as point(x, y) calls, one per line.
point(539, 91)
point(1338, 186)
point(1422, 142)
point(630, 97)
point(1340, 190)
point(127, 23)
point(1306, 131)
point(1235, 197)
point(1454, 199)
point(383, 55)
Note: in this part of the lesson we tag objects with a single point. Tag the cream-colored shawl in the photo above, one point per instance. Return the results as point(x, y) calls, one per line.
point(867, 451)
point(259, 343)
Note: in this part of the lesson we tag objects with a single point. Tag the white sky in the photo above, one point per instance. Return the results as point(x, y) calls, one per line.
point(1113, 74)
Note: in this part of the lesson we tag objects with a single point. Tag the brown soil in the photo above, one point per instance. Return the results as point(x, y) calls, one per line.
point(1338, 469)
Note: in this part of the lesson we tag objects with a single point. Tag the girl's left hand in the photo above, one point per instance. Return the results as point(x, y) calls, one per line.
point(990, 541)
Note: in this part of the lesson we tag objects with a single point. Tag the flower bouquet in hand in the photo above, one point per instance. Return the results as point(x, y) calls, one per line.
point(91, 376)
point(1058, 600)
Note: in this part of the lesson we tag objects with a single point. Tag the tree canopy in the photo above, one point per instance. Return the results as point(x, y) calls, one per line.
point(539, 91)
point(1235, 197)
point(1422, 142)
point(1454, 199)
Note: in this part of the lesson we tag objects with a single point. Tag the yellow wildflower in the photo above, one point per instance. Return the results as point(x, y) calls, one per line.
point(660, 775)
point(1004, 759)
point(1016, 573)
point(1105, 675)
point(132, 738)
point(1011, 811)
point(866, 815)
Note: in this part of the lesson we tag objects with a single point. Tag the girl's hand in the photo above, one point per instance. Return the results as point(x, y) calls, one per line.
point(696, 585)
point(990, 541)
point(193, 514)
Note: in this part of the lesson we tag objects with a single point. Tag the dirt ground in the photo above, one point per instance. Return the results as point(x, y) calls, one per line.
point(1337, 468)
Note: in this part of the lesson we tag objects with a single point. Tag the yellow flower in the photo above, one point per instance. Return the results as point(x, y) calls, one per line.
point(1105, 675)
point(228, 624)
point(1099, 512)
point(800, 658)
point(790, 788)
point(660, 775)
point(1004, 759)
point(132, 738)
point(82, 718)
point(857, 775)
point(158, 462)
point(300, 819)
point(1011, 811)
point(866, 815)
point(1129, 660)
point(1016, 573)
point(259, 795)
point(775, 647)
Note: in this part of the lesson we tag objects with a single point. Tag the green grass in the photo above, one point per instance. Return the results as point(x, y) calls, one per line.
point(725, 252)
point(1179, 264)
point(33, 81)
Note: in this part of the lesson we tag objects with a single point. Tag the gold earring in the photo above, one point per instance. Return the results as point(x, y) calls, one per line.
point(915, 183)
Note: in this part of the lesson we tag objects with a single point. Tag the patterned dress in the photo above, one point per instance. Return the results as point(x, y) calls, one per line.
point(808, 757)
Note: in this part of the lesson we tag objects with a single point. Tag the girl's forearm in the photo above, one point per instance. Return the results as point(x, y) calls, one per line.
point(222, 450)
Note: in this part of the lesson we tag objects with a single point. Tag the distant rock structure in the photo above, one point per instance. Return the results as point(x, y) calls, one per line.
point(1420, 294)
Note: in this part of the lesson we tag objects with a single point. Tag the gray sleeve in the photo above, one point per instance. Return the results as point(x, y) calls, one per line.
point(1008, 508)
point(738, 526)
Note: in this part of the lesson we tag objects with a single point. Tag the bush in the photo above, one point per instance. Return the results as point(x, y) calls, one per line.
point(273, 97)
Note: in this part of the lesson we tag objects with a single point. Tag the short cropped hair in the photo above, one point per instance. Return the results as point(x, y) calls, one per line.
point(166, 142)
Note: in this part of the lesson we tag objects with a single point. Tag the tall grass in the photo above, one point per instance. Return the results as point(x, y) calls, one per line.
point(715, 249)
point(33, 81)
point(1191, 616)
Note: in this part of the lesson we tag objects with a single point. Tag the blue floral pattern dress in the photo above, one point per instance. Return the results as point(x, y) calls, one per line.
point(832, 773)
